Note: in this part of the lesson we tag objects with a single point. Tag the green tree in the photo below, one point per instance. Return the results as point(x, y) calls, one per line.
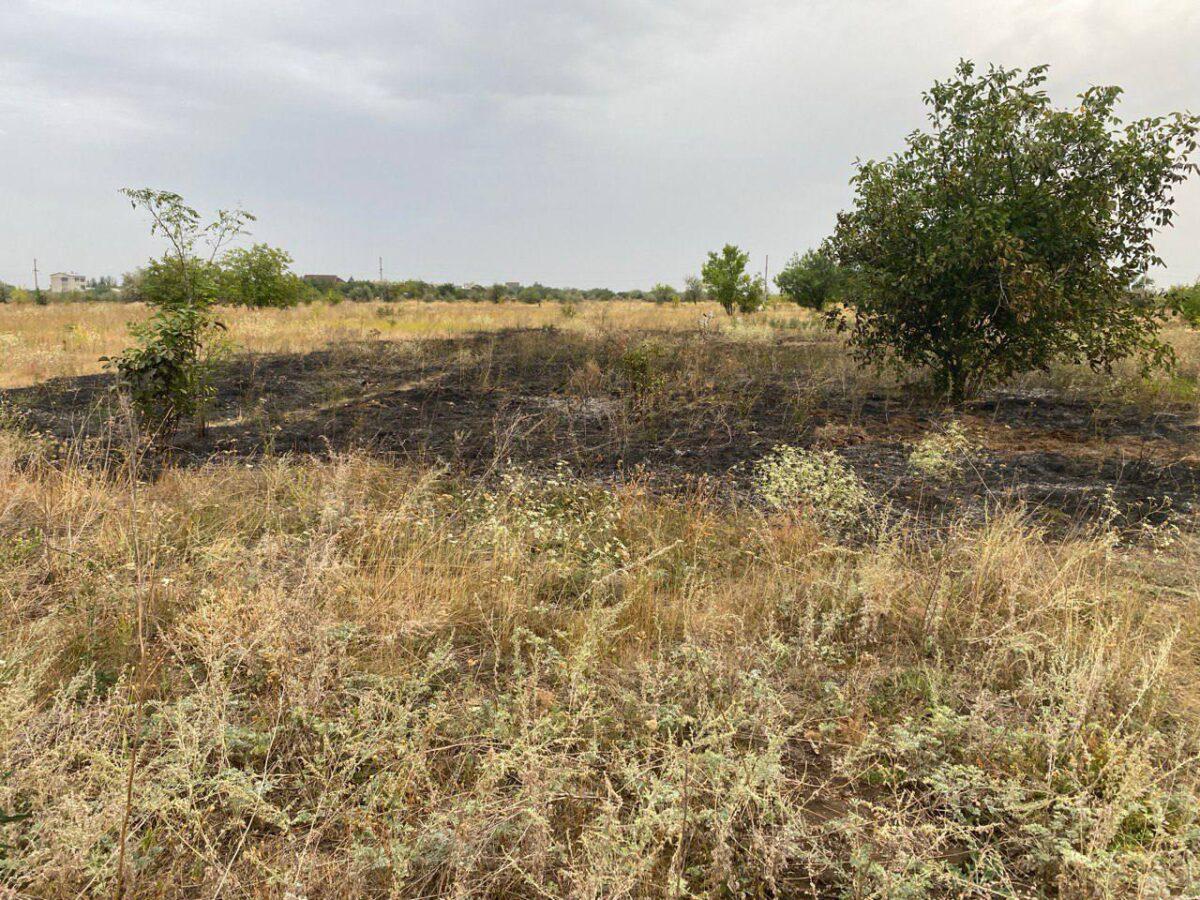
point(167, 370)
point(534, 293)
point(726, 281)
point(259, 276)
point(814, 280)
point(693, 289)
point(171, 283)
point(101, 288)
point(663, 293)
point(1010, 233)
point(1185, 299)
point(6, 292)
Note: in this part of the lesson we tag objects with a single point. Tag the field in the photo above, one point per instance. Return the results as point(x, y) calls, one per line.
point(510, 600)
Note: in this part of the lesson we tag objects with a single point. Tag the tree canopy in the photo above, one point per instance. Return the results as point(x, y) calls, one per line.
point(726, 280)
point(1010, 233)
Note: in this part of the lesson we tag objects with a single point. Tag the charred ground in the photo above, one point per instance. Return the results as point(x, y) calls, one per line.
point(673, 410)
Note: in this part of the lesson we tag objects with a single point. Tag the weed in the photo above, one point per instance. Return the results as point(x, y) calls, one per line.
point(818, 482)
point(942, 453)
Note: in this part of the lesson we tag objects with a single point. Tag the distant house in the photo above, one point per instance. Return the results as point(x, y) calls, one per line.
point(324, 281)
point(67, 283)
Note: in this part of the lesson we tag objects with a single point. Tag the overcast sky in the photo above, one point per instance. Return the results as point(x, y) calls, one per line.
point(596, 142)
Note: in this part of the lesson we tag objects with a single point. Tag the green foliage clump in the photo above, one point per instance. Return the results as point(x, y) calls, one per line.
point(727, 282)
point(1011, 234)
point(642, 367)
point(1185, 299)
point(819, 482)
point(168, 369)
point(814, 280)
point(664, 293)
point(172, 283)
point(260, 276)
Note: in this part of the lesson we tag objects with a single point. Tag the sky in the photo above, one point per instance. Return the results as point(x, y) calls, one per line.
point(573, 142)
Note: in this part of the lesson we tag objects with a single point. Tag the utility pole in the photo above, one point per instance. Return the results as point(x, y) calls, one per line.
point(37, 289)
point(381, 270)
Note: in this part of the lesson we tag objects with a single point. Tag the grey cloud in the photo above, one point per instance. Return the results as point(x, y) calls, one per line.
point(590, 142)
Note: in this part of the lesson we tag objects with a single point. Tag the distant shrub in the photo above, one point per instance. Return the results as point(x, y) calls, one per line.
point(941, 453)
point(813, 280)
point(818, 481)
point(171, 283)
point(664, 293)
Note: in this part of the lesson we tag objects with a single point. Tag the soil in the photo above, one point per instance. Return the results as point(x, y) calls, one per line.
point(535, 397)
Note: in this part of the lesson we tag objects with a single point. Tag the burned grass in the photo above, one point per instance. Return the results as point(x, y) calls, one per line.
point(676, 409)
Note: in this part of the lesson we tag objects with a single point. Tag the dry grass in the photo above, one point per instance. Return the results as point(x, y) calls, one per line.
point(367, 680)
point(340, 677)
point(67, 339)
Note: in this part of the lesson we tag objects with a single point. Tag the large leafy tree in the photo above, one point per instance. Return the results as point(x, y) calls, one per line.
point(726, 280)
point(1010, 234)
point(259, 276)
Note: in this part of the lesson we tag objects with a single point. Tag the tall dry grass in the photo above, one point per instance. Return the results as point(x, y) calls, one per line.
point(340, 677)
point(365, 680)
point(68, 339)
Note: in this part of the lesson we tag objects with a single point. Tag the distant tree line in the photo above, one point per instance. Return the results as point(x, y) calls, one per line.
point(262, 276)
point(508, 292)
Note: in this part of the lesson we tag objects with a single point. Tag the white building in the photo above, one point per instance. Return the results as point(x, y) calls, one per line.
point(66, 283)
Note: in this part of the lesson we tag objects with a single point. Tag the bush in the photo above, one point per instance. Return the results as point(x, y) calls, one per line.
point(664, 293)
point(642, 367)
point(813, 280)
point(1011, 234)
point(819, 482)
point(168, 370)
point(171, 283)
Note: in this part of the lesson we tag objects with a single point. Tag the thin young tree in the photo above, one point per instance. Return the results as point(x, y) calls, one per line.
point(167, 369)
